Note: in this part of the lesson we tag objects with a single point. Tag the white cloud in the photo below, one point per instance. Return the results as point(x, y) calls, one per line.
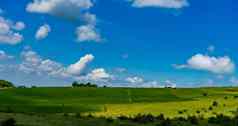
point(19, 26)
point(87, 33)
point(4, 56)
point(174, 4)
point(42, 32)
point(62, 8)
point(135, 79)
point(78, 67)
point(90, 19)
point(8, 35)
point(98, 74)
point(218, 65)
point(170, 84)
point(33, 63)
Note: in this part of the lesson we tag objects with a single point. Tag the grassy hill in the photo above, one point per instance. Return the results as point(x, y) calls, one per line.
point(120, 101)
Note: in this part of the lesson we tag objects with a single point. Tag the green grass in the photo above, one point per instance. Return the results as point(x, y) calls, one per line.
point(119, 101)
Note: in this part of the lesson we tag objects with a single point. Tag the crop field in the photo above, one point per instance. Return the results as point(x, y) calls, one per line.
point(113, 102)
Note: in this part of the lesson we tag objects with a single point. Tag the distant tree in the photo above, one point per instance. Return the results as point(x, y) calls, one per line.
point(6, 84)
point(33, 86)
point(75, 84)
point(21, 86)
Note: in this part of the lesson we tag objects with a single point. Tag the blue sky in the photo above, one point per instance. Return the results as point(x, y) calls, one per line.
point(141, 43)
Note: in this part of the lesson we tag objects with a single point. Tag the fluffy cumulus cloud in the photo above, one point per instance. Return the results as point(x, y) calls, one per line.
point(62, 8)
point(218, 65)
point(174, 4)
point(87, 33)
point(19, 26)
point(8, 31)
point(135, 79)
point(42, 32)
point(96, 75)
point(33, 63)
point(4, 56)
point(78, 67)
point(99, 74)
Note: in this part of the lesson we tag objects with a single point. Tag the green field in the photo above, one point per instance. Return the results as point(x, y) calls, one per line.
point(112, 102)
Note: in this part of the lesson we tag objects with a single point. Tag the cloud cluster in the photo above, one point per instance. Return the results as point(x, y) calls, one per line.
point(42, 32)
point(135, 80)
point(32, 63)
point(218, 65)
point(8, 31)
point(70, 9)
point(173, 4)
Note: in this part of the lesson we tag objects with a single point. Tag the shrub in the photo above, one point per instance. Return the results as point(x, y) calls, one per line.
point(110, 120)
point(198, 111)
point(220, 120)
point(215, 103)
point(210, 108)
point(90, 115)
point(143, 118)
point(236, 96)
point(160, 117)
point(122, 117)
point(193, 120)
point(225, 97)
point(180, 112)
point(205, 94)
point(9, 122)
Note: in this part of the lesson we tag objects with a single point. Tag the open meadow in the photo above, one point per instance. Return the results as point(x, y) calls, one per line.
point(114, 102)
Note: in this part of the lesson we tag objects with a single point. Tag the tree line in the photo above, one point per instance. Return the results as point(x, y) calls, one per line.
point(88, 84)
